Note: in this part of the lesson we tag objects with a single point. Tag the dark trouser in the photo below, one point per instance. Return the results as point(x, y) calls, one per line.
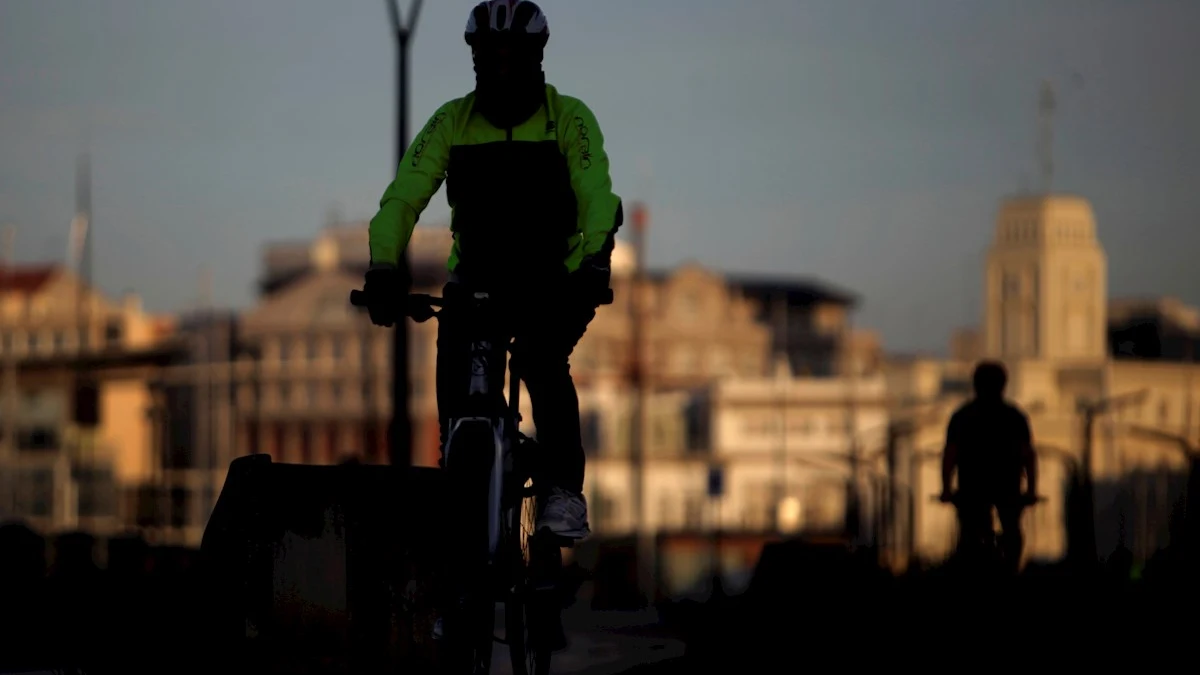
point(544, 328)
point(975, 520)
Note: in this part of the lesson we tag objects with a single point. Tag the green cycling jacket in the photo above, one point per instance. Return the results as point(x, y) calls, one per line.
point(556, 157)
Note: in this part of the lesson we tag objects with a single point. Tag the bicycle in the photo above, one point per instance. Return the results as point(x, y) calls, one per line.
point(979, 547)
point(486, 456)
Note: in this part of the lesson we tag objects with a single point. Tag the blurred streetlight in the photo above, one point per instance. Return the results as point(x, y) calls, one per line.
point(400, 441)
point(1183, 444)
point(1089, 410)
point(639, 380)
point(8, 393)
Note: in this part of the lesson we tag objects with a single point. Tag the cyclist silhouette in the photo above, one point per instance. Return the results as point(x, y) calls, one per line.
point(990, 445)
point(534, 219)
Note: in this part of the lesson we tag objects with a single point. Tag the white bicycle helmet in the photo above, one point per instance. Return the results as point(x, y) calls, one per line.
point(513, 17)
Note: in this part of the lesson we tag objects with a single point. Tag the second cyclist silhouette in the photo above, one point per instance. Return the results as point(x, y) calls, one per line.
point(990, 446)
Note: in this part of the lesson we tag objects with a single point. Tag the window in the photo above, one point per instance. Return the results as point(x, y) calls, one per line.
point(310, 349)
point(337, 347)
point(1164, 412)
point(148, 501)
point(803, 426)
point(97, 492)
point(335, 392)
point(310, 393)
point(41, 492)
point(1076, 331)
point(112, 333)
point(37, 438)
point(662, 430)
point(285, 393)
point(181, 504)
point(1012, 286)
point(60, 341)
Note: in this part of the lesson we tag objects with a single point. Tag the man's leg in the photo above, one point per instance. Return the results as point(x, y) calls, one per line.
point(541, 354)
point(457, 326)
point(974, 523)
point(453, 365)
point(1012, 541)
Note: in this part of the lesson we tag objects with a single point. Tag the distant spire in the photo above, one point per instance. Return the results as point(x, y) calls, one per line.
point(1045, 145)
point(79, 236)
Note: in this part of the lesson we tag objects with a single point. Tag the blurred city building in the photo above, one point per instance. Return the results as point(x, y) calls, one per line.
point(1048, 316)
point(709, 339)
point(75, 394)
point(317, 383)
point(304, 377)
point(787, 450)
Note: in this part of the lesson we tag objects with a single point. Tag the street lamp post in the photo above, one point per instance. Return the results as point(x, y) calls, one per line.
point(400, 430)
point(640, 385)
point(1086, 546)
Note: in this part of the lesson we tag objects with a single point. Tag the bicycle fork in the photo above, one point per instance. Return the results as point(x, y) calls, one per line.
point(476, 428)
point(480, 430)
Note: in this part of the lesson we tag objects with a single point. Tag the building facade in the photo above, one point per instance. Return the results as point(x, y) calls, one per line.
point(75, 440)
point(1068, 348)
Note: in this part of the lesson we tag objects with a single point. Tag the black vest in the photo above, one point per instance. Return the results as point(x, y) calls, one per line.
point(514, 208)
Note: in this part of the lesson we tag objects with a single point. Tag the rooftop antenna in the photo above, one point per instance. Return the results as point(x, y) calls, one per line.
point(80, 241)
point(1045, 145)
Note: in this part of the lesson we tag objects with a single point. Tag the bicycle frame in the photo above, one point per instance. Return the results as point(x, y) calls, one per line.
point(988, 542)
point(497, 419)
point(502, 427)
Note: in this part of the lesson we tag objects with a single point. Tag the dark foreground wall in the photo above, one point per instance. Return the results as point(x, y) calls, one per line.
point(303, 569)
point(324, 569)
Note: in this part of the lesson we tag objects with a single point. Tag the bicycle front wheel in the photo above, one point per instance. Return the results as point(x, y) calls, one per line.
point(530, 619)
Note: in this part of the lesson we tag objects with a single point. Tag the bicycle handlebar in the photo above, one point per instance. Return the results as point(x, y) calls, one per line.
point(419, 306)
point(955, 498)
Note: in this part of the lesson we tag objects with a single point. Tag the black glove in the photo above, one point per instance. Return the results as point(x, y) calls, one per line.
point(594, 276)
point(385, 289)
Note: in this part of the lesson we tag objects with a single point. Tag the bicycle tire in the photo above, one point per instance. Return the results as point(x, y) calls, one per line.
point(528, 653)
point(470, 626)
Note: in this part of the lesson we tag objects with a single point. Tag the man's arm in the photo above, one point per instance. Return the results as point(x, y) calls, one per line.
point(1028, 457)
point(599, 212)
point(950, 455)
point(420, 174)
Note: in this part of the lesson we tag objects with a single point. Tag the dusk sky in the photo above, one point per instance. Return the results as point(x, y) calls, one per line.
point(865, 142)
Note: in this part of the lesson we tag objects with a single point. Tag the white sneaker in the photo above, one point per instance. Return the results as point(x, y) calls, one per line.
point(565, 515)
